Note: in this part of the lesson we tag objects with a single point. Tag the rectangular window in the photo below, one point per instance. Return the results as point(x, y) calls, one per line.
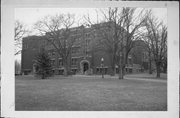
point(49, 53)
point(60, 62)
point(25, 45)
point(53, 53)
point(53, 62)
point(53, 71)
point(74, 61)
point(87, 42)
point(73, 51)
point(97, 70)
point(87, 34)
point(61, 72)
point(74, 71)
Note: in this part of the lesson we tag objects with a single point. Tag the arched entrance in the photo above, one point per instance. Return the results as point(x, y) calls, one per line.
point(84, 66)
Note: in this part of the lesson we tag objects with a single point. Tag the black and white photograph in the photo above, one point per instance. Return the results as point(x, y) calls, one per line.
point(91, 59)
point(110, 58)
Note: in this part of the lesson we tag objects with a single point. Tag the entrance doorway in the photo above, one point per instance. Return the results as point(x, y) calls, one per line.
point(85, 67)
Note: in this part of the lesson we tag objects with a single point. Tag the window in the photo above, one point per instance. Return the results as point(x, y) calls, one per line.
point(25, 45)
point(73, 51)
point(97, 70)
point(105, 70)
point(78, 39)
point(87, 42)
point(49, 53)
point(87, 34)
point(130, 61)
point(60, 62)
point(61, 72)
point(53, 71)
point(74, 61)
point(74, 71)
point(53, 53)
point(53, 62)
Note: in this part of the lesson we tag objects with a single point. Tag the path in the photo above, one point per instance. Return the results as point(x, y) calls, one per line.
point(131, 77)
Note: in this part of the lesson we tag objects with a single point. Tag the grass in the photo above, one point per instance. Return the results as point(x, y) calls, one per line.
point(86, 94)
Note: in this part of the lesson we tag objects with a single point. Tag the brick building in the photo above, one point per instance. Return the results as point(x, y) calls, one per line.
point(84, 58)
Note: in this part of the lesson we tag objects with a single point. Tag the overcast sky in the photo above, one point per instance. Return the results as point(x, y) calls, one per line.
point(29, 16)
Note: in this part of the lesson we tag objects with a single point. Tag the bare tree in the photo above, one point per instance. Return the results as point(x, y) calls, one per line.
point(150, 56)
point(20, 31)
point(157, 39)
point(131, 24)
point(57, 30)
point(120, 31)
point(108, 31)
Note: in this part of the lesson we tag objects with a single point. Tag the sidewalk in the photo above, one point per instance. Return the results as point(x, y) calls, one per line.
point(144, 79)
point(95, 76)
point(148, 76)
point(141, 77)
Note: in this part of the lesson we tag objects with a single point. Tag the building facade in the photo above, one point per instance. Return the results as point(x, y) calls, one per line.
point(85, 56)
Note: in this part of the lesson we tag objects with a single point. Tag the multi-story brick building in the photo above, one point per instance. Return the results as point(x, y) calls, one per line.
point(84, 58)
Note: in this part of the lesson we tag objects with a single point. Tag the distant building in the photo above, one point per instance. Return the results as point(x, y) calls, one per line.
point(17, 67)
point(85, 57)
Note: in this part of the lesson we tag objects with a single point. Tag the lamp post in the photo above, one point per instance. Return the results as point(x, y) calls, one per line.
point(102, 65)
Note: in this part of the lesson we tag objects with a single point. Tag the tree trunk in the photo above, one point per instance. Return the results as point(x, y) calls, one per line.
point(113, 70)
point(125, 63)
point(150, 67)
point(121, 72)
point(65, 68)
point(43, 76)
point(122, 66)
point(165, 67)
point(65, 71)
point(158, 69)
point(150, 62)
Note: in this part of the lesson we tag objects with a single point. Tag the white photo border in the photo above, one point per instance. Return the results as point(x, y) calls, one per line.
point(7, 58)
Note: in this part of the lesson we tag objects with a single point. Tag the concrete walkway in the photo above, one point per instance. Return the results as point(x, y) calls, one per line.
point(116, 77)
point(144, 79)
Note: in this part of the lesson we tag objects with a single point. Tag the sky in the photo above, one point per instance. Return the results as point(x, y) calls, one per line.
point(29, 16)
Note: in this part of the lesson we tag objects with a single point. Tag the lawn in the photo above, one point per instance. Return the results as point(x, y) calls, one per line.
point(86, 94)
